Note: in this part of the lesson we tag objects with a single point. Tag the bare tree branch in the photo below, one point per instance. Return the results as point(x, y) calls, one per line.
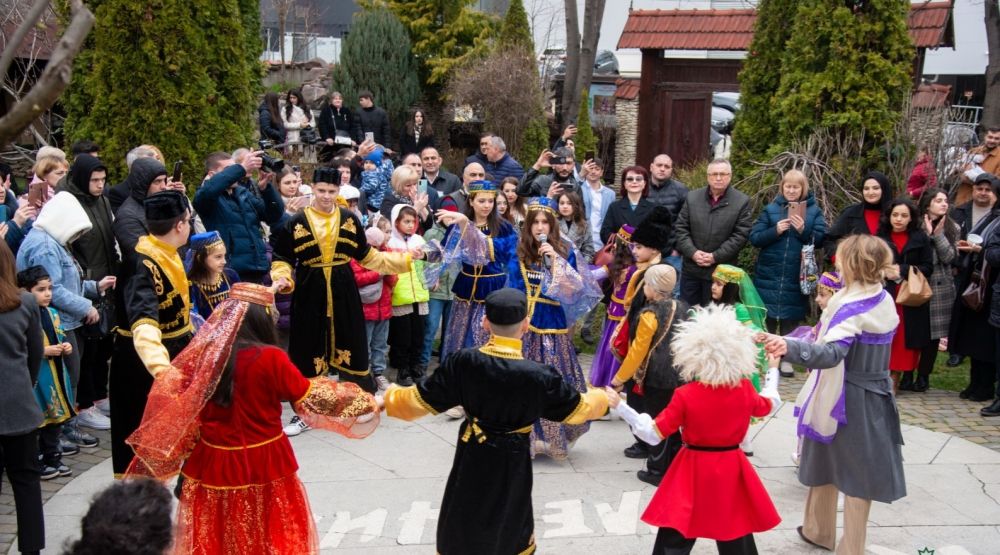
point(56, 77)
point(29, 22)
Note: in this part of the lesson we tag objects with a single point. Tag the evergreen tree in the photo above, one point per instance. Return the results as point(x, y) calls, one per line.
point(515, 30)
point(515, 38)
point(376, 56)
point(153, 75)
point(845, 68)
point(585, 140)
point(445, 35)
point(756, 127)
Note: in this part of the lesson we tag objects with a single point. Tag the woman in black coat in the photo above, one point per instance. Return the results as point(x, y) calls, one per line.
point(417, 134)
point(633, 206)
point(911, 248)
point(864, 217)
point(271, 127)
point(335, 120)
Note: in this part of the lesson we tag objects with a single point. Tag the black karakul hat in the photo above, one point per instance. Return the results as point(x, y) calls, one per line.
point(655, 231)
point(506, 306)
point(165, 205)
point(327, 175)
point(29, 277)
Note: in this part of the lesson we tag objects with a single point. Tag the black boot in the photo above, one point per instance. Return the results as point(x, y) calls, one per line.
point(417, 372)
point(403, 377)
point(992, 410)
point(906, 382)
point(922, 384)
point(954, 360)
point(637, 450)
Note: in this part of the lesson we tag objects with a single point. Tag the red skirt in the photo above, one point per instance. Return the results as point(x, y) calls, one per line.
point(271, 519)
point(713, 495)
point(902, 359)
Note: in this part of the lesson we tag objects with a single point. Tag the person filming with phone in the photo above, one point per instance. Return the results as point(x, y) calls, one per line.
point(559, 180)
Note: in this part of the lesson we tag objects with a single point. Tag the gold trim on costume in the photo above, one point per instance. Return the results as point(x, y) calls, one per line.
point(239, 447)
point(503, 347)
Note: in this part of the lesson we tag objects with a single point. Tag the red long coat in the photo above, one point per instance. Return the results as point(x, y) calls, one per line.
point(382, 308)
point(712, 494)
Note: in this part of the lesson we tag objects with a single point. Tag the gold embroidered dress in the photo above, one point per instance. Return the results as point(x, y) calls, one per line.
point(313, 250)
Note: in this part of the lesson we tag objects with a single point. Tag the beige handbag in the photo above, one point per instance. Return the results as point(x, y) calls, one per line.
point(914, 290)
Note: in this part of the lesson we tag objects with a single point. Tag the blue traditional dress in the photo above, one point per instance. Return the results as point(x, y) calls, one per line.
point(53, 390)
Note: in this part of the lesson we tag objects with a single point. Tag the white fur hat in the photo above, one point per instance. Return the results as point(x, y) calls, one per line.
point(714, 348)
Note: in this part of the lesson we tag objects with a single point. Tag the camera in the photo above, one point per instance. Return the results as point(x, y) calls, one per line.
point(308, 136)
point(268, 162)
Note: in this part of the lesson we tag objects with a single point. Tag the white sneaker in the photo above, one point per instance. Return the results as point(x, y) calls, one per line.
point(93, 419)
point(103, 405)
point(295, 427)
point(455, 413)
point(382, 383)
point(795, 458)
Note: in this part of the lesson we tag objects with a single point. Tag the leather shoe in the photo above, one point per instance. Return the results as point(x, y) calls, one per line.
point(906, 382)
point(981, 396)
point(810, 542)
point(965, 393)
point(636, 451)
point(921, 385)
point(992, 410)
point(651, 478)
point(954, 360)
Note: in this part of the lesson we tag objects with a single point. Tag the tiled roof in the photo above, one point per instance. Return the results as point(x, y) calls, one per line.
point(931, 95)
point(929, 24)
point(628, 89)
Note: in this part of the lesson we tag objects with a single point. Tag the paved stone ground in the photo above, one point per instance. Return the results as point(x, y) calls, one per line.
point(937, 411)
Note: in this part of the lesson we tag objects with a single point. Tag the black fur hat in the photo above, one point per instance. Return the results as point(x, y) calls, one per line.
point(656, 230)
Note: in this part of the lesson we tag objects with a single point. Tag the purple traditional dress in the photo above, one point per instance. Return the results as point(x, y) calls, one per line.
point(605, 364)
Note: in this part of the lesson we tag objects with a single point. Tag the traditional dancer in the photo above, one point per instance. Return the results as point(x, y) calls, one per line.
point(847, 413)
point(157, 307)
point(619, 273)
point(545, 269)
point(711, 490)
point(218, 412)
point(319, 243)
point(485, 251)
point(487, 502)
point(210, 279)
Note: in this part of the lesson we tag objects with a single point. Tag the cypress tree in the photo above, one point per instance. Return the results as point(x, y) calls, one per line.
point(152, 75)
point(585, 139)
point(515, 36)
point(376, 56)
point(514, 29)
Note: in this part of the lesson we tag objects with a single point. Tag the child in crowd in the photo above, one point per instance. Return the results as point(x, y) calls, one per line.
point(710, 490)
point(375, 178)
point(409, 300)
point(53, 390)
point(128, 516)
point(441, 297)
point(732, 286)
point(352, 196)
point(503, 208)
point(573, 224)
point(619, 273)
point(210, 279)
point(376, 300)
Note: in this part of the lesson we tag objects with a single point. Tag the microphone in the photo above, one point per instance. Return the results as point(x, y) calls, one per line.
point(543, 238)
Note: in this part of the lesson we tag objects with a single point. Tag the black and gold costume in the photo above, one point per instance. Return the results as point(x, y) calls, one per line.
point(154, 326)
point(327, 327)
point(487, 502)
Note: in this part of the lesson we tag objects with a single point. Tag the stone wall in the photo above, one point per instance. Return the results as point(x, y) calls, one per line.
point(627, 119)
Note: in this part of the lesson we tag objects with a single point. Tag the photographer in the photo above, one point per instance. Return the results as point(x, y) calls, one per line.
point(236, 212)
point(560, 180)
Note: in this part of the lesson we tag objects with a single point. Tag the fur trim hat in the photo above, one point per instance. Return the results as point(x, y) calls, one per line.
point(714, 348)
point(655, 231)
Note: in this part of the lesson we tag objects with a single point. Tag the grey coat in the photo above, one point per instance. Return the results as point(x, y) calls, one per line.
point(579, 234)
point(865, 458)
point(942, 285)
point(721, 230)
point(21, 351)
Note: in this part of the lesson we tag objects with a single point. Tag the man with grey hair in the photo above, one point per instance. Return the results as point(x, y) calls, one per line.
point(499, 164)
point(121, 191)
point(712, 227)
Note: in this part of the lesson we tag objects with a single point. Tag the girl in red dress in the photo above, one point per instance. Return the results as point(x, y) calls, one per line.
point(710, 490)
point(218, 412)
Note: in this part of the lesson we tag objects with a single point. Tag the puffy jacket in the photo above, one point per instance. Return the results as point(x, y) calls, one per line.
point(15, 233)
point(60, 220)
point(776, 274)
point(237, 214)
point(374, 120)
point(721, 229)
point(268, 130)
point(97, 250)
point(382, 308)
point(375, 184)
point(506, 166)
point(410, 288)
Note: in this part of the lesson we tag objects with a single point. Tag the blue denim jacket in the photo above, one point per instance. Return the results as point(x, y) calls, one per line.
point(70, 294)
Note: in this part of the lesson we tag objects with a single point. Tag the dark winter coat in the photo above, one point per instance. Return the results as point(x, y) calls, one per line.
point(15, 234)
point(919, 253)
point(331, 120)
point(237, 214)
point(505, 167)
point(372, 120)
point(130, 219)
point(409, 145)
point(96, 251)
point(970, 333)
point(776, 274)
point(991, 251)
point(446, 182)
point(721, 229)
point(268, 128)
point(620, 213)
point(433, 203)
point(537, 184)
